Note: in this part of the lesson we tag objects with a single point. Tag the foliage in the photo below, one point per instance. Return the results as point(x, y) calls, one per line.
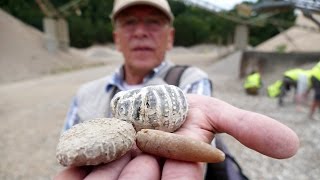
point(260, 34)
point(25, 10)
point(193, 25)
point(281, 48)
point(190, 30)
point(93, 26)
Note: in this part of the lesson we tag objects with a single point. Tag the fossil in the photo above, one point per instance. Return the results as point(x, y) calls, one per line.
point(95, 141)
point(160, 107)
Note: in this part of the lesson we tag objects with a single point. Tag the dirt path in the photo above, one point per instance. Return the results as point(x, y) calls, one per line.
point(32, 114)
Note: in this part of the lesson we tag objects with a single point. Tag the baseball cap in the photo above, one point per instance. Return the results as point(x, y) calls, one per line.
point(162, 5)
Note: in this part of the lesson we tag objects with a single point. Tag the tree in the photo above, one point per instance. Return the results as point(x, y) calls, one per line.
point(190, 30)
point(193, 25)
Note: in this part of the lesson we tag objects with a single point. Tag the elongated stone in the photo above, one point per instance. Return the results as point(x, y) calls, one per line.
point(178, 147)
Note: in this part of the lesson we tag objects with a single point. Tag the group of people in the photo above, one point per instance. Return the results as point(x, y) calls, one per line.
point(301, 81)
point(143, 33)
point(253, 83)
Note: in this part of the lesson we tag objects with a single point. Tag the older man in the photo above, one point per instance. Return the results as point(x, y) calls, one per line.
point(143, 32)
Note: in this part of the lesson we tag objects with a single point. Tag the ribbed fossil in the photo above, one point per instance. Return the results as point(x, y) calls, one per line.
point(161, 107)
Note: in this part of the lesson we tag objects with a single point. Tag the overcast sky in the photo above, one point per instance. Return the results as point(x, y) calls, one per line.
point(227, 4)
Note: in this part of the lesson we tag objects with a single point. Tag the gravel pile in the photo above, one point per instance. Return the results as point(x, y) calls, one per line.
point(23, 54)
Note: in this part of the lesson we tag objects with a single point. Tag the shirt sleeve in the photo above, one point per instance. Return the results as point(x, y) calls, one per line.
point(201, 87)
point(72, 115)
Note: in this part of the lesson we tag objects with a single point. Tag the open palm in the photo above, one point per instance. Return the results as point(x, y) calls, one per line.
point(206, 117)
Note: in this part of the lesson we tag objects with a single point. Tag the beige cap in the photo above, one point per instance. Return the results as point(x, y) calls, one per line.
point(162, 5)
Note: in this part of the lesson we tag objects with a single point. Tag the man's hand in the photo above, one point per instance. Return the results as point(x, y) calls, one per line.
point(206, 116)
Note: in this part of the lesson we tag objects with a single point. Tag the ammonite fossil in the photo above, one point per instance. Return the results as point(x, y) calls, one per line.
point(161, 107)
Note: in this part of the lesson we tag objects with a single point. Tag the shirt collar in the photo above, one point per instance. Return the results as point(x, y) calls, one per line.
point(118, 77)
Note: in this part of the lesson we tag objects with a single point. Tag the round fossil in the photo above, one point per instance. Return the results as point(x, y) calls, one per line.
point(161, 107)
point(96, 141)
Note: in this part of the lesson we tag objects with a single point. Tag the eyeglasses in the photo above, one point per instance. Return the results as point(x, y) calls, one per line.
point(151, 23)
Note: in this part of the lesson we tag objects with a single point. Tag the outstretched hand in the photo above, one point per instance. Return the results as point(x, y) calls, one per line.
point(206, 116)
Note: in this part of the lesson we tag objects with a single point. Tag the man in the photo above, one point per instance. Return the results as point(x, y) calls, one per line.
point(143, 33)
point(289, 81)
point(300, 80)
point(253, 83)
point(274, 89)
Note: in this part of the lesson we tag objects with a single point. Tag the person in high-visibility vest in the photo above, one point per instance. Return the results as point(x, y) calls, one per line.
point(274, 89)
point(315, 80)
point(289, 81)
point(253, 83)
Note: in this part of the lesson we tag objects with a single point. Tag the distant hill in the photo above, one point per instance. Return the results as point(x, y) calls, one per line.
point(295, 39)
point(23, 55)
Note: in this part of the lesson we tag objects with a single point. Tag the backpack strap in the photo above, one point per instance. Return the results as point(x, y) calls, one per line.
point(174, 74)
point(115, 90)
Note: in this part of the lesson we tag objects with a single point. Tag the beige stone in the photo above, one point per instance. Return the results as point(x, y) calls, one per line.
point(95, 141)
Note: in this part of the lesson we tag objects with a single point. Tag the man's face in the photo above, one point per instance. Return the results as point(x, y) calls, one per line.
point(143, 34)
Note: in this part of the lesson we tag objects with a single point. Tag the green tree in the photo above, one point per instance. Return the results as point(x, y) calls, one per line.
point(273, 26)
point(93, 25)
point(25, 10)
point(190, 30)
point(193, 25)
point(177, 7)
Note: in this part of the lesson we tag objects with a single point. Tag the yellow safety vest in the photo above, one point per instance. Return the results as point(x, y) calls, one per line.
point(253, 81)
point(274, 89)
point(293, 73)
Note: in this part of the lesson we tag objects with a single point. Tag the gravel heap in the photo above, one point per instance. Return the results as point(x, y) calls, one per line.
point(23, 55)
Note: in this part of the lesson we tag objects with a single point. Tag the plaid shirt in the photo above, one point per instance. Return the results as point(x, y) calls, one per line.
point(201, 87)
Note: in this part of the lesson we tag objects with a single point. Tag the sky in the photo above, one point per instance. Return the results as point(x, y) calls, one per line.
point(227, 4)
